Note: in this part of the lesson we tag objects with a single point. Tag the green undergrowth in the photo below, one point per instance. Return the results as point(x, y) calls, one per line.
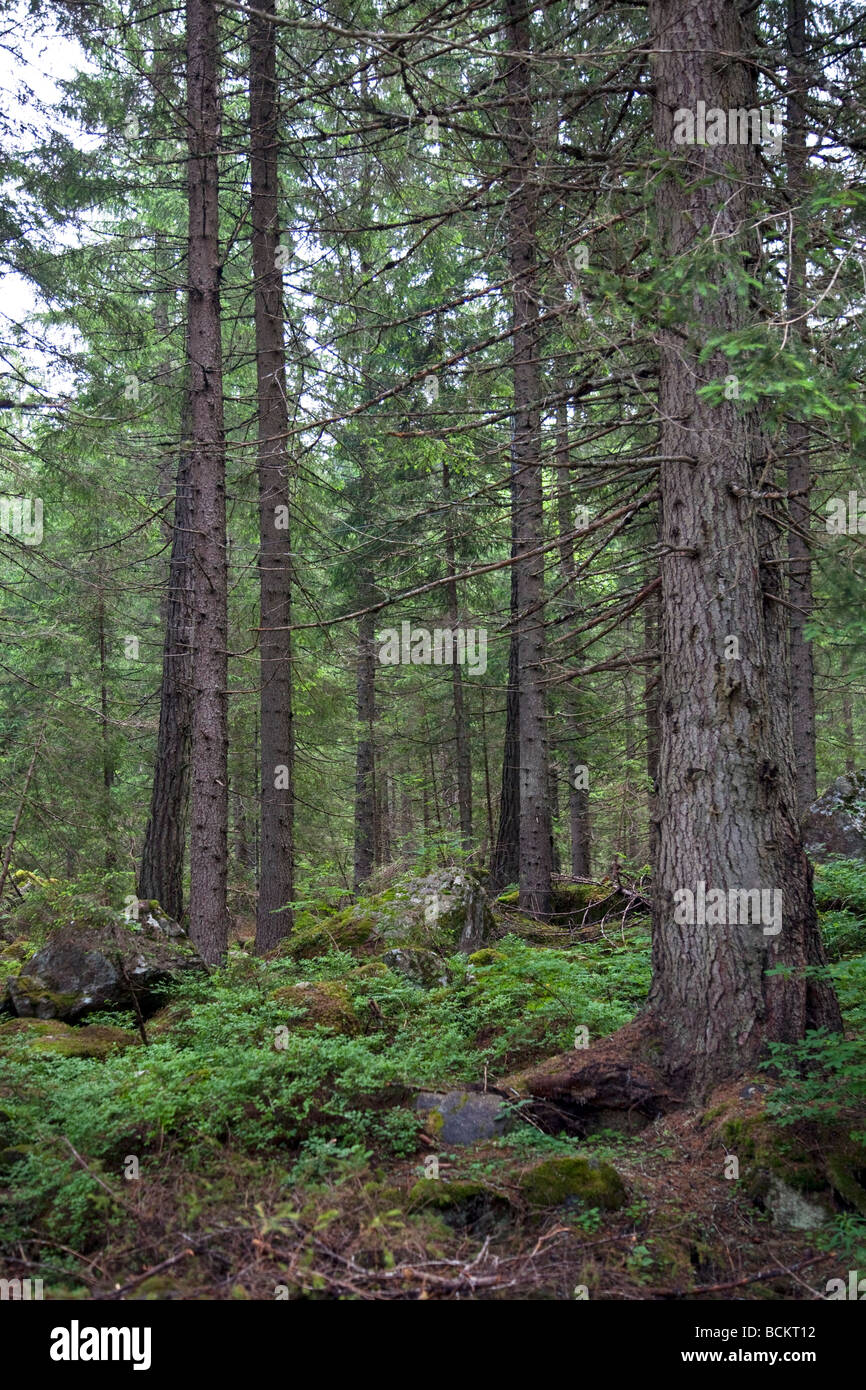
point(301, 1073)
point(237, 1059)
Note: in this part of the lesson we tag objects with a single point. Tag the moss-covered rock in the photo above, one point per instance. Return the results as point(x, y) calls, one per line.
point(573, 1181)
point(466, 1206)
point(50, 1038)
point(423, 968)
point(836, 822)
point(487, 956)
point(366, 974)
point(445, 911)
point(113, 963)
point(800, 1176)
point(327, 1005)
point(350, 930)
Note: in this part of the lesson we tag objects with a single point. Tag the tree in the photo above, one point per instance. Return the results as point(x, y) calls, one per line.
point(727, 802)
point(276, 876)
point(535, 848)
point(209, 820)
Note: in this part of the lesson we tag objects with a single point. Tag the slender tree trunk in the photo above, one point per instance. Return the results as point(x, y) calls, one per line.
point(461, 724)
point(209, 829)
point(629, 828)
point(535, 847)
point(505, 864)
point(848, 713)
point(799, 467)
point(161, 876)
point(728, 814)
point(578, 789)
point(365, 764)
point(105, 737)
point(274, 916)
point(651, 714)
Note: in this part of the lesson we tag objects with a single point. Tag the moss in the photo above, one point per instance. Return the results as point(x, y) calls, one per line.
point(373, 970)
point(348, 930)
point(432, 1192)
point(31, 989)
point(158, 1286)
point(487, 956)
point(738, 1137)
point(572, 1181)
point(20, 949)
point(326, 1004)
point(433, 1122)
point(844, 1170)
point(463, 1206)
point(48, 1037)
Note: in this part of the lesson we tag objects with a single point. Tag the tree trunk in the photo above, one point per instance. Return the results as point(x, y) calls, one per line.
point(365, 764)
point(161, 876)
point(505, 864)
point(727, 801)
point(535, 847)
point(651, 712)
point(461, 725)
point(578, 789)
point(799, 468)
point(209, 829)
point(274, 916)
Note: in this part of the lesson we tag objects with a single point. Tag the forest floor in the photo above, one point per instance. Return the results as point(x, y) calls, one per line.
point(215, 1164)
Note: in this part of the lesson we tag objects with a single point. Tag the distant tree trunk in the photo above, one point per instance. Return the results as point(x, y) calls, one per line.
point(505, 864)
point(161, 876)
point(488, 799)
point(630, 838)
point(110, 859)
point(848, 713)
point(461, 725)
point(578, 793)
point(365, 766)
point(799, 467)
point(535, 847)
point(209, 829)
point(651, 713)
point(728, 812)
point(274, 916)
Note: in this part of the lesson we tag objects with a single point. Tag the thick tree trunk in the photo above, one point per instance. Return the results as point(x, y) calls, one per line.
point(727, 800)
point(799, 467)
point(274, 916)
point(535, 844)
point(209, 828)
point(161, 875)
